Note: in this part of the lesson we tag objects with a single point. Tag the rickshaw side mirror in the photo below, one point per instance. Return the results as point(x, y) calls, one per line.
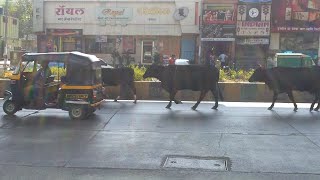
point(64, 79)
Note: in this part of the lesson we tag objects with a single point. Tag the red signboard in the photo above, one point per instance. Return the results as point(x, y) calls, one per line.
point(296, 16)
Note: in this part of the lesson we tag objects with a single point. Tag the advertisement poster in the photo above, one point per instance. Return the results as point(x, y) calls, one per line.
point(128, 45)
point(296, 16)
point(219, 14)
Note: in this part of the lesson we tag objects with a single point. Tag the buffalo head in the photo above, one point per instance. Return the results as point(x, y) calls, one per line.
point(259, 75)
point(154, 71)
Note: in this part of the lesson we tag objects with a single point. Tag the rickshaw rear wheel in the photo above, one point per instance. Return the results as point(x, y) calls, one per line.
point(10, 107)
point(77, 112)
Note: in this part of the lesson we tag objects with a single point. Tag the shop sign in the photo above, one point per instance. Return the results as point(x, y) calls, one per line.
point(68, 14)
point(181, 13)
point(117, 14)
point(296, 29)
point(153, 11)
point(253, 41)
point(296, 16)
point(218, 39)
point(64, 32)
point(219, 14)
point(218, 31)
point(254, 12)
point(253, 28)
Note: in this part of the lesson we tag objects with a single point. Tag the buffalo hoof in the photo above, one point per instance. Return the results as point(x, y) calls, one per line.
point(135, 102)
point(295, 109)
point(193, 108)
point(168, 107)
point(115, 100)
point(310, 109)
point(316, 109)
point(178, 102)
point(215, 107)
point(270, 108)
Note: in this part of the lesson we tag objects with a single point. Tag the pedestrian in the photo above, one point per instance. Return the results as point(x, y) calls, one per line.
point(172, 59)
point(223, 59)
point(39, 81)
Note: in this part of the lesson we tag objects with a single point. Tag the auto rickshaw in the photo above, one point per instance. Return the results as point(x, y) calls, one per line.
point(75, 85)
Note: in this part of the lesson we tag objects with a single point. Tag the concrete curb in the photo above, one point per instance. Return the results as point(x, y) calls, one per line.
point(232, 92)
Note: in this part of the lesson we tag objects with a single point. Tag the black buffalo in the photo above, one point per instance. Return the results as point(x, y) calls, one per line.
point(123, 76)
point(194, 77)
point(286, 80)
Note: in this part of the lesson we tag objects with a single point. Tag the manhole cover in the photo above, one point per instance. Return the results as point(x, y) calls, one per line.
point(190, 162)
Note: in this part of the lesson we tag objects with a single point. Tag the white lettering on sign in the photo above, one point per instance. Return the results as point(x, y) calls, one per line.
point(253, 28)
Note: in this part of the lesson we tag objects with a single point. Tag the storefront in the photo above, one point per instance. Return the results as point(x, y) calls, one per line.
point(296, 26)
point(138, 28)
point(218, 32)
point(253, 33)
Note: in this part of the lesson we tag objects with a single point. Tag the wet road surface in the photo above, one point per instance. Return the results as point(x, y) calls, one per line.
point(132, 141)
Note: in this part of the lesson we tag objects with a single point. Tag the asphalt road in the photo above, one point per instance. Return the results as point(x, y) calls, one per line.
point(133, 141)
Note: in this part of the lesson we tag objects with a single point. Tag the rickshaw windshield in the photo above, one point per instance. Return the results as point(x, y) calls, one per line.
point(79, 72)
point(97, 76)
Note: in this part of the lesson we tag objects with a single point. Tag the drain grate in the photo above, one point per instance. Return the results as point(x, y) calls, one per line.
point(192, 162)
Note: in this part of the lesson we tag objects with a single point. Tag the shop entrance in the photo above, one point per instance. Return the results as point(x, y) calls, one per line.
point(217, 48)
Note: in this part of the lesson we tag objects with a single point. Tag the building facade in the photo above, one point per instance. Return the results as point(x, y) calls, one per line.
point(296, 27)
point(248, 31)
point(140, 28)
point(253, 32)
point(218, 28)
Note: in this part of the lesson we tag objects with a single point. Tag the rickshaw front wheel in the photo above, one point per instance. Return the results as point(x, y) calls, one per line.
point(77, 112)
point(10, 107)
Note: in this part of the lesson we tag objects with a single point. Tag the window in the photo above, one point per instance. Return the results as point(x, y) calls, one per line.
point(28, 66)
point(92, 46)
point(147, 47)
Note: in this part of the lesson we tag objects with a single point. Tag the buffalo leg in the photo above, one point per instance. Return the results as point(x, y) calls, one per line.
point(175, 101)
point(117, 98)
point(275, 97)
point(134, 93)
point(292, 99)
point(202, 95)
point(318, 106)
point(316, 99)
point(172, 95)
point(216, 95)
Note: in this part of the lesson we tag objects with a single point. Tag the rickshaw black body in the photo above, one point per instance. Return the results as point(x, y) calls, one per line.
point(78, 91)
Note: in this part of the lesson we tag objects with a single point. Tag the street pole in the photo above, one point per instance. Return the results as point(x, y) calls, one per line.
point(5, 53)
